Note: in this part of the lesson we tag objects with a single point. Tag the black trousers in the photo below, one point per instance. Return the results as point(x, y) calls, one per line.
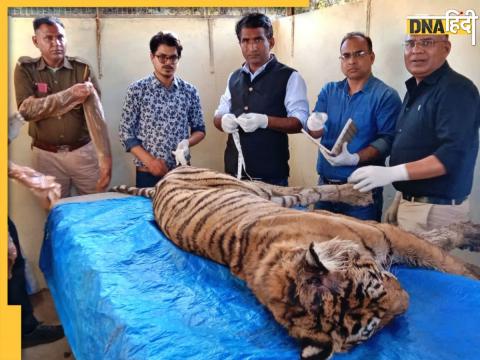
point(17, 291)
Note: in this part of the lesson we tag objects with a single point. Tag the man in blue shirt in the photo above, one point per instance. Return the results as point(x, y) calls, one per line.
point(372, 105)
point(158, 112)
point(436, 140)
point(264, 100)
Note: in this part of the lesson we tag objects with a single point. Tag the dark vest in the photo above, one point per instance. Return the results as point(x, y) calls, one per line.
point(265, 151)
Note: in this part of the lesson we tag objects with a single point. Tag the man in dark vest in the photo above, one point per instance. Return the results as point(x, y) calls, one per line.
point(264, 100)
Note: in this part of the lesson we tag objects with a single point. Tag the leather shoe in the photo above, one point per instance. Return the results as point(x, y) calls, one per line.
point(43, 334)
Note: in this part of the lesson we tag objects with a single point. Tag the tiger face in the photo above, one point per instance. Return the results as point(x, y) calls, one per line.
point(335, 296)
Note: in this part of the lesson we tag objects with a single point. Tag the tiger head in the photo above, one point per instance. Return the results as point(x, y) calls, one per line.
point(334, 296)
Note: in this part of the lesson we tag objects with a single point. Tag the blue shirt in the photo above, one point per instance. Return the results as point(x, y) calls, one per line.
point(158, 118)
point(440, 116)
point(374, 110)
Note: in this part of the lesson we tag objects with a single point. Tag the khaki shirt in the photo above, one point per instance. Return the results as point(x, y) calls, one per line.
point(33, 77)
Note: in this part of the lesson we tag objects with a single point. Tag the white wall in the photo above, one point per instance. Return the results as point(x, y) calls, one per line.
point(124, 48)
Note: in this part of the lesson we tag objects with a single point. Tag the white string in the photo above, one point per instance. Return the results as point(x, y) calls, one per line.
point(241, 159)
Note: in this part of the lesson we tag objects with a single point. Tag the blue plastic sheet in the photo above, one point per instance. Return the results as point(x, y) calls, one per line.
point(124, 291)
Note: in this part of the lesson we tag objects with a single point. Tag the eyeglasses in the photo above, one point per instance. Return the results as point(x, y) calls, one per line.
point(355, 55)
point(165, 58)
point(423, 43)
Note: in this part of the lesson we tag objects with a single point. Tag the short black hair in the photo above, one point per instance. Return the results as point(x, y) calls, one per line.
point(46, 20)
point(252, 21)
point(360, 35)
point(168, 39)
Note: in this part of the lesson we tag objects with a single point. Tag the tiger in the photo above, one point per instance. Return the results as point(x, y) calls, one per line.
point(323, 276)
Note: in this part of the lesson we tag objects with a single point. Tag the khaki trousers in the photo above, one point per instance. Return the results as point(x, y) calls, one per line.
point(77, 168)
point(414, 216)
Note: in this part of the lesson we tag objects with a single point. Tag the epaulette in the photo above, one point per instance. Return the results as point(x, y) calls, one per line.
point(27, 60)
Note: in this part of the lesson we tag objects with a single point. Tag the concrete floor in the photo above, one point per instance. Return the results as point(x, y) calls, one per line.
point(44, 310)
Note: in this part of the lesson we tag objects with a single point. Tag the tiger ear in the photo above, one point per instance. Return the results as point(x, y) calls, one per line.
point(314, 350)
point(313, 260)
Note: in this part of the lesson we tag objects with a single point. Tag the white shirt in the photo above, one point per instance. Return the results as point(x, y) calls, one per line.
point(295, 102)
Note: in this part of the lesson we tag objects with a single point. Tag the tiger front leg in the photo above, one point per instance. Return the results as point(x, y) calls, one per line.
point(310, 195)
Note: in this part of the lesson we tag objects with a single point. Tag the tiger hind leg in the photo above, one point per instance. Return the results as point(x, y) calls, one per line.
point(465, 235)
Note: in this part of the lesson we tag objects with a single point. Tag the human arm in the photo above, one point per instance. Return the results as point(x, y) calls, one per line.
point(224, 107)
point(295, 103)
point(156, 166)
point(129, 127)
point(369, 177)
point(382, 119)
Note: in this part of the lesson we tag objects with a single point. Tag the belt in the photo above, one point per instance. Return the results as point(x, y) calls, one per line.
point(59, 148)
point(434, 200)
point(332, 181)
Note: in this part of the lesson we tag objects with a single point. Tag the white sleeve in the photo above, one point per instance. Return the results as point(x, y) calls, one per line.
point(296, 101)
point(225, 101)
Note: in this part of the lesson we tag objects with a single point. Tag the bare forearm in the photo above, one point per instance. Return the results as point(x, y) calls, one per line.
point(368, 154)
point(217, 121)
point(316, 134)
point(289, 125)
point(426, 168)
point(196, 137)
point(141, 154)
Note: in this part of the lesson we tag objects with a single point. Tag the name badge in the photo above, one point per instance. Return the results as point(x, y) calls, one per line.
point(42, 88)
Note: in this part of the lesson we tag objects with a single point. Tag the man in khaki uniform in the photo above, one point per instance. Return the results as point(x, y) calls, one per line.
point(50, 91)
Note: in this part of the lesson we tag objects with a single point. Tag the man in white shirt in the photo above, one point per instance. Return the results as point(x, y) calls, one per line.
point(264, 101)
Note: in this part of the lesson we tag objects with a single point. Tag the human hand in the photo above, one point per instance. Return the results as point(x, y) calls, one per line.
point(229, 123)
point(316, 121)
point(157, 167)
point(369, 177)
point(345, 158)
point(252, 121)
point(82, 91)
point(182, 153)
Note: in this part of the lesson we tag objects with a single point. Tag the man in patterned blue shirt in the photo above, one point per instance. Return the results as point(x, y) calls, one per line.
point(161, 115)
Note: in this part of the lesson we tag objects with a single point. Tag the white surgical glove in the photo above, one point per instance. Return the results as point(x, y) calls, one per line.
point(229, 123)
point(252, 121)
point(345, 158)
point(369, 177)
point(15, 122)
point(316, 121)
point(182, 153)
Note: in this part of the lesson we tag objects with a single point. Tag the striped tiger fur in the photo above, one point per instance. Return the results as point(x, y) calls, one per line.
point(323, 276)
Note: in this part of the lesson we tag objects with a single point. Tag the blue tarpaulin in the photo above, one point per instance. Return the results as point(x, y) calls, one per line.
point(124, 291)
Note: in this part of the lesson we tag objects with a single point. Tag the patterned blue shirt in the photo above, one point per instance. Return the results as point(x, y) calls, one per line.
point(374, 110)
point(158, 118)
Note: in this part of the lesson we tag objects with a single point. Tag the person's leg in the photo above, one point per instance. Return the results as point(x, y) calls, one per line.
point(444, 215)
point(49, 163)
point(144, 179)
point(17, 290)
point(33, 332)
point(82, 165)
